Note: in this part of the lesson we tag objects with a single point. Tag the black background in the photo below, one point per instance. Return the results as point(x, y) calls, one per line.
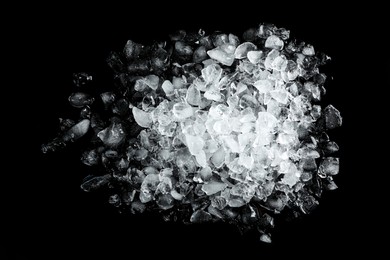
point(50, 217)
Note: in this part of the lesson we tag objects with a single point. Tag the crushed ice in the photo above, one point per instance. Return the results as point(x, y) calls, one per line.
point(206, 128)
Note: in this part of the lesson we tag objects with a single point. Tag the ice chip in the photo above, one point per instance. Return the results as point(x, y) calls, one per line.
point(201, 158)
point(182, 110)
point(266, 120)
point(243, 49)
point(271, 56)
point(168, 88)
point(195, 144)
point(231, 143)
point(332, 117)
point(274, 42)
point(77, 131)
point(113, 136)
point(264, 85)
point(152, 81)
point(265, 238)
point(213, 187)
point(80, 99)
point(213, 95)
point(221, 56)
point(200, 54)
point(254, 56)
point(94, 183)
point(236, 202)
point(329, 166)
point(142, 118)
point(218, 158)
point(193, 96)
point(308, 50)
point(200, 216)
point(280, 96)
point(212, 73)
point(165, 201)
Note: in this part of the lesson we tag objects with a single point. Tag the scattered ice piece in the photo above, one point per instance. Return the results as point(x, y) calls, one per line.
point(220, 39)
point(193, 96)
point(332, 117)
point(308, 50)
point(213, 95)
point(218, 158)
point(243, 49)
point(142, 118)
point(179, 82)
point(254, 56)
point(200, 216)
point(168, 88)
point(80, 99)
point(108, 98)
point(329, 166)
point(132, 50)
point(236, 202)
point(176, 195)
point(183, 49)
point(265, 238)
point(222, 127)
point(113, 136)
point(182, 110)
point(266, 120)
point(315, 111)
point(246, 160)
point(248, 101)
point(280, 95)
point(200, 54)
point(81, 79)
point(213, 187)
point(291, 173)
point(279, 63)
point(330, 184)
point(201, 158)
point(212, 73)
point(264, 85)
point(206, 173)
point(231, 143)
point(245, 140)
point(271, 56)
point(195, 144)
point(77, 131)
point(233, 39)
point(247, 115)
point(331, 147)
point(274, 42)
point(95, 182)
point(152, 81)
point(165, 201)
point(219, 54)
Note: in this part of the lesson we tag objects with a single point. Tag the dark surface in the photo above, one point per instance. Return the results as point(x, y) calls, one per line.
point(50, 217)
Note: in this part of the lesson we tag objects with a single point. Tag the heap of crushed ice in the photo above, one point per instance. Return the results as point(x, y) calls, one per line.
point(211, 127)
